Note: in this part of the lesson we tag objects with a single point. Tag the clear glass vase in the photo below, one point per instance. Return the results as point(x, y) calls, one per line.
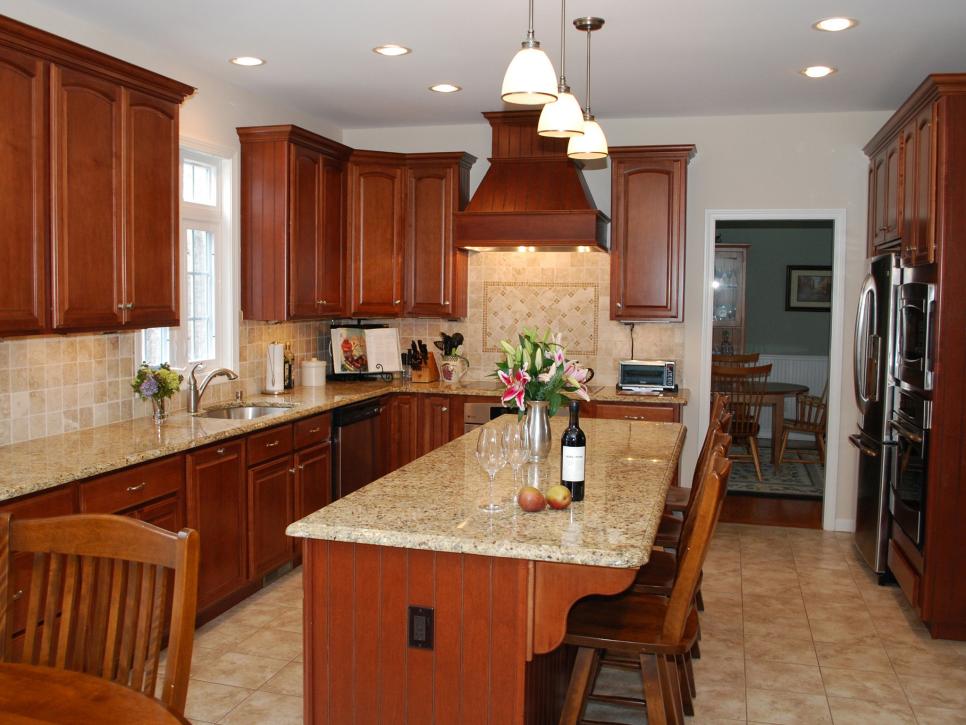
point(159, 410)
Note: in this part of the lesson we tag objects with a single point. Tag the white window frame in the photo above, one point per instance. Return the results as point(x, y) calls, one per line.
point(219, 220)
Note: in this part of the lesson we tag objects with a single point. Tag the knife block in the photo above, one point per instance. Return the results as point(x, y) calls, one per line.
point(428, 373)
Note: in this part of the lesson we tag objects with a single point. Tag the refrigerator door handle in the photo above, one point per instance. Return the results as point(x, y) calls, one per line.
point(861, 348)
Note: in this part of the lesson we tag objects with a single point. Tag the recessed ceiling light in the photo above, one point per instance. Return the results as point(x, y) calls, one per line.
point(445, 88)
point(247, 60)
point(834, 25)
point(817, 71)
point(391, 49)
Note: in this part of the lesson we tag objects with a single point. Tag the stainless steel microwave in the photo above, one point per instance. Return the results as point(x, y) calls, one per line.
point(915, 336)
point(646, 376)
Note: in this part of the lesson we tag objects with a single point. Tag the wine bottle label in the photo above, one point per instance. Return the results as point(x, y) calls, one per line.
point(572, 463)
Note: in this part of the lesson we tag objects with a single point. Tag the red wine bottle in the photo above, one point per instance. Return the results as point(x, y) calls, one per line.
point(573, 454)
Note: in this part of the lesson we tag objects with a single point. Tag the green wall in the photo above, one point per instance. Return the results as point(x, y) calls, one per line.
point(774, 246)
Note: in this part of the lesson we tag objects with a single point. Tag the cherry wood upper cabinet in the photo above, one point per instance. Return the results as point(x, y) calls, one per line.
point(87, 197)
point(648, 198)
point(23, 195)
point(435, 270)
point(377, 228)
point(293, 224)
point(89, 149)
point(920, 245)
point(151, 251)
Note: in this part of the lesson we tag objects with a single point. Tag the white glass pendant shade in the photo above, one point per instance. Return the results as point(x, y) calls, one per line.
point(530, 79)
point(563, 118)
point(592, 145)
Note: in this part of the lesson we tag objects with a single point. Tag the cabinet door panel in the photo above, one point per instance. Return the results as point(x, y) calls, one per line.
point(164, 513)
point(217, 509)
point(23, 193)
point(313, 489)
point(893, 199)
point(377, 240)
point(151, 251)
point(880, 190)
point(925, 233)
point(86, 120)
point(435, 424)
point(429, 249)
point(647, 261)
point(271, 508)
point(332, 259)
point(305, 233)
point(403, 434)
point(907, 223)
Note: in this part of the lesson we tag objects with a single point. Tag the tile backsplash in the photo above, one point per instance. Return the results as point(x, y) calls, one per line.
point(51, 385)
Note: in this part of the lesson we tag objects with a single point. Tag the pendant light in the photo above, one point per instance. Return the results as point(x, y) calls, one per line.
point(529, 79)
point(593, 144)
point(562, 118)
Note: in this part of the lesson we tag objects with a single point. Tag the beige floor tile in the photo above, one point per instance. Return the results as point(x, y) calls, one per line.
point(719, 673)
point(847, 711)
point(939, 692)
point(770, 587)
point(784, 605)
point(221, 633)
point(253, 614)
point(862, 685)
point(266, 708)
point(770, 675)
point(288, 681)
point(717, 703)
point(778, 648)
point(289, 620)
point(722, 647)
point(858, 654)
point(238, 669)
point(840, 629)
point(936, 660)
point(209, 701)
point(778, 628)
point(787, 708)
point(275, 643)
point(939, 716)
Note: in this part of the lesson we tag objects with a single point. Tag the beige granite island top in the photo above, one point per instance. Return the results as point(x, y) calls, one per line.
point(44, 463)
point(432, 503)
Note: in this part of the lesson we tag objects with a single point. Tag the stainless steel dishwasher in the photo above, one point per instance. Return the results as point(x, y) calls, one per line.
point(356, 447)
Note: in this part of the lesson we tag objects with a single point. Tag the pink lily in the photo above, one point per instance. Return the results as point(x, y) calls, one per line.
point(516, 385)
point(545, 377)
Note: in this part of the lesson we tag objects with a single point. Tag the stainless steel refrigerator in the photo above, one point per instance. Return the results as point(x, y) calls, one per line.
point(874, 351)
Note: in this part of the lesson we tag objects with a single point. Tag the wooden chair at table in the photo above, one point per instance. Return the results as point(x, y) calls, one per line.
point(679, 498)
point(656, 630)
point(98, 595)
point(745, 386)
point(747, 359)
point(811, 417)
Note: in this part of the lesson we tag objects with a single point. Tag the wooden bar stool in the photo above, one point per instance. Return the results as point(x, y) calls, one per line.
point(656, 630)
point(679, 498)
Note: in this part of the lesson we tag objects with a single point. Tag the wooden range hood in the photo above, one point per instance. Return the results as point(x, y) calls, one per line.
point(532, 194)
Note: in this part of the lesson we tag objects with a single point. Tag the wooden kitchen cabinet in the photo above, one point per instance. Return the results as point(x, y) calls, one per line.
point(436, 272)
point(377, 231)
point(435, 426)
point(89, 199)
point(624, 411)
point(918, 245)
point(313, 479)
point(648, 190)
point(271, 508)
point(403, 430)
point(217, 508)
point(23, 197)
point(885, 195)
point(293, 235)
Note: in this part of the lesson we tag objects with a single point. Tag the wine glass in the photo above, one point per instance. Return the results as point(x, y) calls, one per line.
point(491, 453)
point(517, 446)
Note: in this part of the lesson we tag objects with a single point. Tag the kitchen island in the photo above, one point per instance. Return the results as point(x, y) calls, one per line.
point(421, 608)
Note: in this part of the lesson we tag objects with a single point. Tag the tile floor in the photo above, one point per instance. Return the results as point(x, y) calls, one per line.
point(795, 631)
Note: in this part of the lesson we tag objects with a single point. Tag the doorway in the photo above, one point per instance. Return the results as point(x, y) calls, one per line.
point(773, 303)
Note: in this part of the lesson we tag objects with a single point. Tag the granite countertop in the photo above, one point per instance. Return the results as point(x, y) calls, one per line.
point(432, 503)
point(44, 463)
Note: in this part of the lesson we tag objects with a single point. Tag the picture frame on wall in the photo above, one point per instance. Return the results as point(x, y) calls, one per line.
point(808, 288)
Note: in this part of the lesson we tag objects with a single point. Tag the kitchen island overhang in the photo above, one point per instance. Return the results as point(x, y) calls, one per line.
point(493, 590)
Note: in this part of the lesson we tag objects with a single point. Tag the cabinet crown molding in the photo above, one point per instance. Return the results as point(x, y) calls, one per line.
point(295, 134)
point(931, 88)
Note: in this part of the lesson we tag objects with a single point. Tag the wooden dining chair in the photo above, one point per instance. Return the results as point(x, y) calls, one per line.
point(679, 498)
point(811, 416)
point(655, 630)
point(747, 359)
point(745, 387)
point(98, 597)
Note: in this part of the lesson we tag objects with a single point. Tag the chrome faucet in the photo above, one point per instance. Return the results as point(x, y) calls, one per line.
point(196, 389)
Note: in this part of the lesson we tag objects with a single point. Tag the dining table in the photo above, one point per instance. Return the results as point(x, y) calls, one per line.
point(774, 394)
point(36, 694)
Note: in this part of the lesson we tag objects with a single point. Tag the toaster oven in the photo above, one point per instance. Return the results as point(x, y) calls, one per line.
point(646, 376)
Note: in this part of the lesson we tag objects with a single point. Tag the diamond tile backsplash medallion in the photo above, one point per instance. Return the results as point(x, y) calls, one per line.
point(509, 307)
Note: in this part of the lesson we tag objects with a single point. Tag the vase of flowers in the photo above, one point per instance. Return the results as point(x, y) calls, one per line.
point(537, 375)
point(156, 384)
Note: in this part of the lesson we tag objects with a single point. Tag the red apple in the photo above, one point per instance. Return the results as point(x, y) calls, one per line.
point(530, 499)
point(559, 497)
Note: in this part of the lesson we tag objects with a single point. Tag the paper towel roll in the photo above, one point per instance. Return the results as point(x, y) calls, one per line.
point(274, 368)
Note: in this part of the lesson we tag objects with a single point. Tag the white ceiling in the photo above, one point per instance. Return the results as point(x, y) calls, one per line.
point(652, 58)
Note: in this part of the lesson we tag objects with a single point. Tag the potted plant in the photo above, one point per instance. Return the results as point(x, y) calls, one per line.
point(537, 374)
point(156, 384)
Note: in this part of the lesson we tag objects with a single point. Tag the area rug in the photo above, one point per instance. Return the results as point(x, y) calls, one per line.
point(795, 480)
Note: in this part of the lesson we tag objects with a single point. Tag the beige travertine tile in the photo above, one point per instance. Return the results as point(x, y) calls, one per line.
point(846, 711)
point(862, 685)
point(779, 648)
point(716, 703)
point(266, 708)
point(942, 692)
point(865, 654)
point(236, 668)
point(288, 681)
point(274, 643)
point(209, 701)
point(771, 675)
point(222, 633)
point(787, 708)
point(939, 716)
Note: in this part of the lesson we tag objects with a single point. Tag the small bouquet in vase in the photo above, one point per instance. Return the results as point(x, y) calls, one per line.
point(156, 384)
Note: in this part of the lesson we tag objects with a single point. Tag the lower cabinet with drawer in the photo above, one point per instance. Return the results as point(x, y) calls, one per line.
point(630, 411)
point(150, 492)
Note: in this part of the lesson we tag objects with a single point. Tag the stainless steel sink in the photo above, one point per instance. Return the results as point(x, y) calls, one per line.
point(244, 412)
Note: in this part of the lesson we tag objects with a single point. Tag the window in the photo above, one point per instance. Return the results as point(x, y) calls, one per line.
point(207, 326)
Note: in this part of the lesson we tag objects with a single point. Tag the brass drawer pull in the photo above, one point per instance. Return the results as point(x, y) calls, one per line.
point(272, 444)
point(443, 409)
point(17, 595)
point(314, 430)
point(132, 489)
point(220, 451)
point(292, 471)
point(634, 417)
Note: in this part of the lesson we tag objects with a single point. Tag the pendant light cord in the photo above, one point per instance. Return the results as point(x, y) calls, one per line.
point(563, 45)
point(587, 99)
point(530, 25)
